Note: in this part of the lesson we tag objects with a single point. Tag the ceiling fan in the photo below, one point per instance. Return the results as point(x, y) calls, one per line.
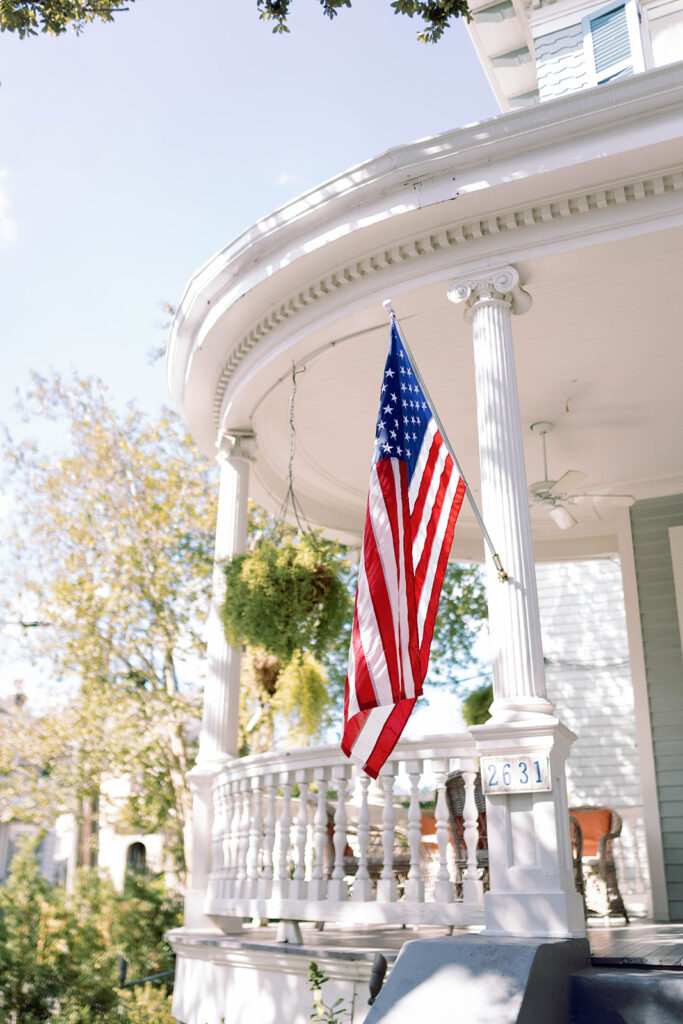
point(557, 497)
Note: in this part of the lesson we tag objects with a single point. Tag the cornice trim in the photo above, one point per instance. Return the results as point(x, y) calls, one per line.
point(449, 237)
point(614, 106)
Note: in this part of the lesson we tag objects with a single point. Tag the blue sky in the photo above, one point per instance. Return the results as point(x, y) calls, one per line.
point(131, 154)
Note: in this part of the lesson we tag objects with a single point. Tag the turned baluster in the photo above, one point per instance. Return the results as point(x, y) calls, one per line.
point(317, 887)
point(255, 839)
point(243, 843)
point(220, 825)
point(472, 887)
point(234, 839)
point(265, 885)
point(225, 841)
point(414, 887)
point(213, 843)
point(284, 826)
point(443, 886)
point(297, 888)
point(337, 888)
point(387, 889)
point(362, 886)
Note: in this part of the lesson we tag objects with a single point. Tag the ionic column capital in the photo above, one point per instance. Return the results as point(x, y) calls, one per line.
point(236, 446)
point(498, 285)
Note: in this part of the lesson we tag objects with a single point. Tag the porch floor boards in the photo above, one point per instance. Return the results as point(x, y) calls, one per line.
point(639, 944)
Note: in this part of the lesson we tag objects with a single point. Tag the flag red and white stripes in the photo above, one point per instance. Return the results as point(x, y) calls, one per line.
point(413, 502)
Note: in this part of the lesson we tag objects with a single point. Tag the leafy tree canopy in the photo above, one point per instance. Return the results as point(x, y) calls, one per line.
point(436, 14)
point(112, 548)
point(475, 709)
point(28, 17)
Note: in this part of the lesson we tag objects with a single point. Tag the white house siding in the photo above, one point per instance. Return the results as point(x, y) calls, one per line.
point(588, 678)
point(560, 63)
point(650, 524)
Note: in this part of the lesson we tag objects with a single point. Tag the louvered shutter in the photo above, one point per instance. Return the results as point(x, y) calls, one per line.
point(612, 42)
point(611, 45)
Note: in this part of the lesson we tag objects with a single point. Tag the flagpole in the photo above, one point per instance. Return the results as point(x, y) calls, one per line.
point(502, 575)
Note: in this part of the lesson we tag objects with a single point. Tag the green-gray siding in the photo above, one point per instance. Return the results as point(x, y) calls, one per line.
point(650, 523)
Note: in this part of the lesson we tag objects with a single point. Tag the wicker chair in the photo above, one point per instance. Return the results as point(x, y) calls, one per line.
point(455, 798)
point(599, 827)
point(375, 856)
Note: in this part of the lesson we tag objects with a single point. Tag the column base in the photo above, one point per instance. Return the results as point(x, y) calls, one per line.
point(551, 914)
point(506, 710)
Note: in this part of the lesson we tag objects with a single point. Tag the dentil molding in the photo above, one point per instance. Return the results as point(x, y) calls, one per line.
point(450, 237)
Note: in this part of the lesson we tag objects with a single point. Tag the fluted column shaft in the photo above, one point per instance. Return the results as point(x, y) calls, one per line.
point(517, 655)
point(532, 890)
point(218, 739)
point(220, 720)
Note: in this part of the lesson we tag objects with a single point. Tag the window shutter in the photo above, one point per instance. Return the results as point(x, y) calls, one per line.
point(611, 44)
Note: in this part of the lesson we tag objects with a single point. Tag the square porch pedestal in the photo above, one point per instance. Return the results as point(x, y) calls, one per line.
point(475, 979)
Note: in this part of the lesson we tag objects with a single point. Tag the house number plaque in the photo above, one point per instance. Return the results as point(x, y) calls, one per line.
point(524, 773)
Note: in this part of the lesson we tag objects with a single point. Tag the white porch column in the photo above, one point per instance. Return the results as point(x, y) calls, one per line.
point(532, 890)
point(220, 721)
point(218, 740)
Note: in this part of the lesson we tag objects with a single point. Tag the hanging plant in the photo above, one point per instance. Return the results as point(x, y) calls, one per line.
point(286, 597)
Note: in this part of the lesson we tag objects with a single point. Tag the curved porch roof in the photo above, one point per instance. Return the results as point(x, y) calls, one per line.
point(583, 195)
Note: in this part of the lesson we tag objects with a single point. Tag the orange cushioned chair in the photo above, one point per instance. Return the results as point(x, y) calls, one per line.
point(599, 827)
point(455, 798)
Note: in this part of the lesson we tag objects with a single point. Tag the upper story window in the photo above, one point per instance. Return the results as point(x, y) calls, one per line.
point(612, 43)
point(664, 36)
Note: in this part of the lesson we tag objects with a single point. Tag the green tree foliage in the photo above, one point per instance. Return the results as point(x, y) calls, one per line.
point(475, 709)
point(59, 954)
point(28, 17)
point(112, 547)
point(49, 948)
point(436, 14)
point(462, 614)
point(145, 911)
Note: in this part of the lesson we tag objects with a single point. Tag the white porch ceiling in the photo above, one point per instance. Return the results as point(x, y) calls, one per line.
point(583, 195)
point(599, 355)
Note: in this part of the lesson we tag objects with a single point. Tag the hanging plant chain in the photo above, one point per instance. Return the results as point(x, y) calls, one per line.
point(290, 497)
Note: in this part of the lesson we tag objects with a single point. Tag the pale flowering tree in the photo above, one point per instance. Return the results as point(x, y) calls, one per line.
point(112, 545)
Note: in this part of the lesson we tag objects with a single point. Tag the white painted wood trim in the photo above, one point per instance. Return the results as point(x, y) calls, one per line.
point(676, 542)
point(646, 758)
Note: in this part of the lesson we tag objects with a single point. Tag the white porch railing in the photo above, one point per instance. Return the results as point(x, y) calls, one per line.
point(341, 851)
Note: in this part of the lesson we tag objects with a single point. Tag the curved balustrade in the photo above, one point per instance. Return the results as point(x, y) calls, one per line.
point(343, 848)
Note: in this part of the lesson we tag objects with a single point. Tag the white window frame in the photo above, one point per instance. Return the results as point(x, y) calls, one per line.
point(648, 10)
point(635, 60)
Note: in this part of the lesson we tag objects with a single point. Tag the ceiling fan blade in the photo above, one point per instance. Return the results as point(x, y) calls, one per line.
point(568, 482)
point(604, 500)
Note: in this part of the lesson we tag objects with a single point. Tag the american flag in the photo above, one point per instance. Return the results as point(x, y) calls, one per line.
point(413, 502)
